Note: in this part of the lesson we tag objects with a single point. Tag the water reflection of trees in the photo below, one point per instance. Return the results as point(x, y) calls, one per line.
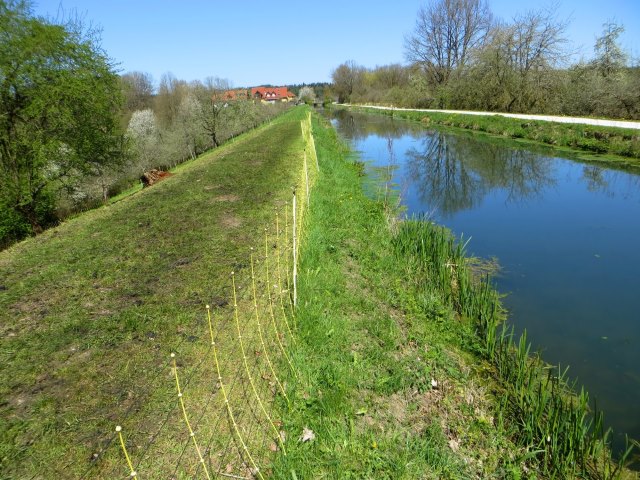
point(358, 126)
point(454, 173)
point(611, 183)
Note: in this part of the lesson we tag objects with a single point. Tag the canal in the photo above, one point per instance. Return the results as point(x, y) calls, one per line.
point(565, 234)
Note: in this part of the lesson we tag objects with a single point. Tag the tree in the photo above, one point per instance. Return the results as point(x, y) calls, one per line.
point(347, 79)
point(189, 132)
point(389, 84)
point(606, 86)
point(610, 58)
point(212, 105)
point(446, 32)
point(516, 68)
point(170, 94)
point(143, 135)
point(307, 95)
point(137, 89)
point(59, 99)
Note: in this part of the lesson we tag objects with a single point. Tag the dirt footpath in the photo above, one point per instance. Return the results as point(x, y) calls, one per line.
point(547, 118)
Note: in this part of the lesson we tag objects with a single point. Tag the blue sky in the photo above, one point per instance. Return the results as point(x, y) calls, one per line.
point(284, 42)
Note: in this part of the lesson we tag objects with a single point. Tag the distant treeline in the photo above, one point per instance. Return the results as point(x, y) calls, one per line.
point(319, 88)
point(460, 57)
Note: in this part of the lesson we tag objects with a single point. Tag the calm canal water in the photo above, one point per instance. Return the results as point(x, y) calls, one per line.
point(566, 235)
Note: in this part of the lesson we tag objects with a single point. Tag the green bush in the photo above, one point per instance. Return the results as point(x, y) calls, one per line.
point(591, 145)
point(13, 227)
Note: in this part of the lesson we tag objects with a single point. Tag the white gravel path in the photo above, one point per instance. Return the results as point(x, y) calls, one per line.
point(547, 118)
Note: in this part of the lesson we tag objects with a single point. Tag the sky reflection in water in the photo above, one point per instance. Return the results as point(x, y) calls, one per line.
point(565, 233)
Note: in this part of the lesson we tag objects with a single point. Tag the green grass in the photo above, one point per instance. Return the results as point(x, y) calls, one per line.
point(617, 146)
point(398, 346)
point(537, 405)
point(90, 311)
point(368, 352)
point(401, 370)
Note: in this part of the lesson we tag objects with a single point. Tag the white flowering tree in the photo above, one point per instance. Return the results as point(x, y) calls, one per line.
point(143, 135)
point(307, 95)
point(190, 138)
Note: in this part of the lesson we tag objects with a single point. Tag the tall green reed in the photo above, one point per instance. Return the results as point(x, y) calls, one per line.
point(539, 405)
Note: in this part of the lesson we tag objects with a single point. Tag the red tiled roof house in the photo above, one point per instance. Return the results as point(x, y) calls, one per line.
point(272, 94)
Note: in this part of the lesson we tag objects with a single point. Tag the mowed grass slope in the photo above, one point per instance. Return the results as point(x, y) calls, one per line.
point(90, 310)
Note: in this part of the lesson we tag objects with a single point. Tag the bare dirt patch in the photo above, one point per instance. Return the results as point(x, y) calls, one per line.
point(231, 221)
point(231, 197)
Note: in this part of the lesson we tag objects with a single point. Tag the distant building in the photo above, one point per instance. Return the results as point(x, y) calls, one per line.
point(228, 95)
point(263, 94)
point(272, 94)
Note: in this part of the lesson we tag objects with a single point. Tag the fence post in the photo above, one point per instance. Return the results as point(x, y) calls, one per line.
point(133, 473)
point(295, 254)
point(306, 174)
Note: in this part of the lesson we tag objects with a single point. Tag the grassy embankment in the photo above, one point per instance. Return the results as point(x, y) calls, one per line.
point(602, 144)
point(392, 378)
point(91, 310)
point(404, 371)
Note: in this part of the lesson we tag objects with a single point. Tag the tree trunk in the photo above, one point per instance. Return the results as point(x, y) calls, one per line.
point(105, 190)
point(29, 213)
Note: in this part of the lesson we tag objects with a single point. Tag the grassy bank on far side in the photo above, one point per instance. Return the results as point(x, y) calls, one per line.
point(618, 146)
point(396, 355)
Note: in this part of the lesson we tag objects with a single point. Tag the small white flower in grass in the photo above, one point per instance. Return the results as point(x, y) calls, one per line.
point(434, 383)
point(307, 435)
point(118, 428)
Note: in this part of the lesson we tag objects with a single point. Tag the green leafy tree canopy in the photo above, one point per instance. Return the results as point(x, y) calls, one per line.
point(59, 100)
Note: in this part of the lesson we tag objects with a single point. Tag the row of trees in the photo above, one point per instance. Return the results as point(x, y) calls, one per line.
point(460, 57)
point(73, 131)
point(160, 130)
point(183, 120)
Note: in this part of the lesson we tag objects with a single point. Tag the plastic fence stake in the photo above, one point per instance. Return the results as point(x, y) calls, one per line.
point(133, 473)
